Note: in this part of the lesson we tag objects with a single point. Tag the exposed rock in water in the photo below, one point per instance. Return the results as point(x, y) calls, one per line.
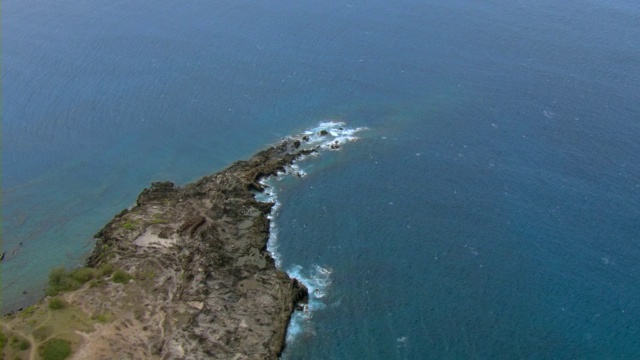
point(204, 286)
point(184, 274)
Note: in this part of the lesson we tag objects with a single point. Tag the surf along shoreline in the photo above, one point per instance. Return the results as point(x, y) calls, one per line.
point(185, 273)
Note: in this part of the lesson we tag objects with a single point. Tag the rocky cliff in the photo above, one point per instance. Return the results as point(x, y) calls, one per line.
point(193, 279)
point(183, 274)
point(213, 290)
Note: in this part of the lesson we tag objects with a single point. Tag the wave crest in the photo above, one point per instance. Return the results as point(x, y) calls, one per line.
point(327, 136)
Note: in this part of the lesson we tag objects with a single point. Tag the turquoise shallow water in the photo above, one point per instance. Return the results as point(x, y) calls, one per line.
point(490, 211)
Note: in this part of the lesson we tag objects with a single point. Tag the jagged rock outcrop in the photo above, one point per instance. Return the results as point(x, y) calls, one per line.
point(205, 286)
point(183, 274)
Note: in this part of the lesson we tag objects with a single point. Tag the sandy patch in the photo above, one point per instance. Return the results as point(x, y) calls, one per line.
point(150, 238)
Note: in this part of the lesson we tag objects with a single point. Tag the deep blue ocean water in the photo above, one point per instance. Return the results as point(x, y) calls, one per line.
point(491, 210)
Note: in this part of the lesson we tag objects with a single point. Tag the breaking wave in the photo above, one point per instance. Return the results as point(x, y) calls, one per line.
point(327, 136)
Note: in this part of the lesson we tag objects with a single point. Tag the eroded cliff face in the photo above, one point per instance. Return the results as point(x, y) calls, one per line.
point(206, 287)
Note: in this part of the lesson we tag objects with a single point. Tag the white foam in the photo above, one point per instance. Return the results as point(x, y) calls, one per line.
point(268, 195)
point(318, 280)
point(294, 169)
point(337, 135)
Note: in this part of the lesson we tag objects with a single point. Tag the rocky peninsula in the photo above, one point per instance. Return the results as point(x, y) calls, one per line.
point(183, 274)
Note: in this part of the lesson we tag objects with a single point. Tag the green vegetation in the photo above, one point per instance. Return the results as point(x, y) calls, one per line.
point(57, 304)
point(158, 220)
point(104, 251)
point(102, 318)
point(145, 274)
point(3, 341)
point(61, 280)
point(23, 345)
point(43, 331)
point(82, 275)
point(97, 282)
point(105, 270)
point(19, 344)
point(28, 311)
point(129, 225)
point(55, 349)
point(120, 277)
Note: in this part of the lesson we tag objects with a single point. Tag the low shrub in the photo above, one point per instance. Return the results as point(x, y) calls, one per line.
point(24, 345)
point(129, 225)
point(158, 220)
point(3, 340)
point(20, 344)
point(28, 311)
point(96, 283)
point(102, 318)
point(105, 270)
point(120, 277)
point(61, 280)
point(82, 275)
point(57, 304)
point(145, 275)
point(55, 349)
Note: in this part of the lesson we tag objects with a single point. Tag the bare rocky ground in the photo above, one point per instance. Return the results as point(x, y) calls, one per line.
point(202, 283)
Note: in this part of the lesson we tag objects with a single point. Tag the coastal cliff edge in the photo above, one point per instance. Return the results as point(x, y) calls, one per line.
point(188, 276)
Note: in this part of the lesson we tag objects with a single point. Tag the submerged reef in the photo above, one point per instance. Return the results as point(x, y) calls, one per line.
point(183, 274)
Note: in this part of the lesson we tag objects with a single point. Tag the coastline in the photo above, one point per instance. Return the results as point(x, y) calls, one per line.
point(200, 282)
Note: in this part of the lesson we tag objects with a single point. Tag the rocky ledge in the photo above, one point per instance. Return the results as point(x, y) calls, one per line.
point(194, 278)
point(216, 292)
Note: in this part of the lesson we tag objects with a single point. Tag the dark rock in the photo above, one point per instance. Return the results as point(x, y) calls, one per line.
point(254, 186)
point(157, 192)
point(324, 132)
point(122, 213)
point(192, 224)
point(220, 232)
point(164, 233)
point(301, 294)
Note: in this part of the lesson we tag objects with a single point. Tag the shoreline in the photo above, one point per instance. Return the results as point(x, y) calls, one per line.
point(200, 281)
point(244, 270)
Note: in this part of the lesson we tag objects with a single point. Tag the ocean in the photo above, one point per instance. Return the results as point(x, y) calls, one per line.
point(490, 207)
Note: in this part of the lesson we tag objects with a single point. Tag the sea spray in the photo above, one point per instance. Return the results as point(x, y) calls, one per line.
point(327, 136)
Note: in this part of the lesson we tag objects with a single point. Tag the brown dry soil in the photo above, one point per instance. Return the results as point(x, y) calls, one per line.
point(203, 285)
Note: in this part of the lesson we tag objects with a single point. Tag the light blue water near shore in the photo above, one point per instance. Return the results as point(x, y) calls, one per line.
point(490, 211)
